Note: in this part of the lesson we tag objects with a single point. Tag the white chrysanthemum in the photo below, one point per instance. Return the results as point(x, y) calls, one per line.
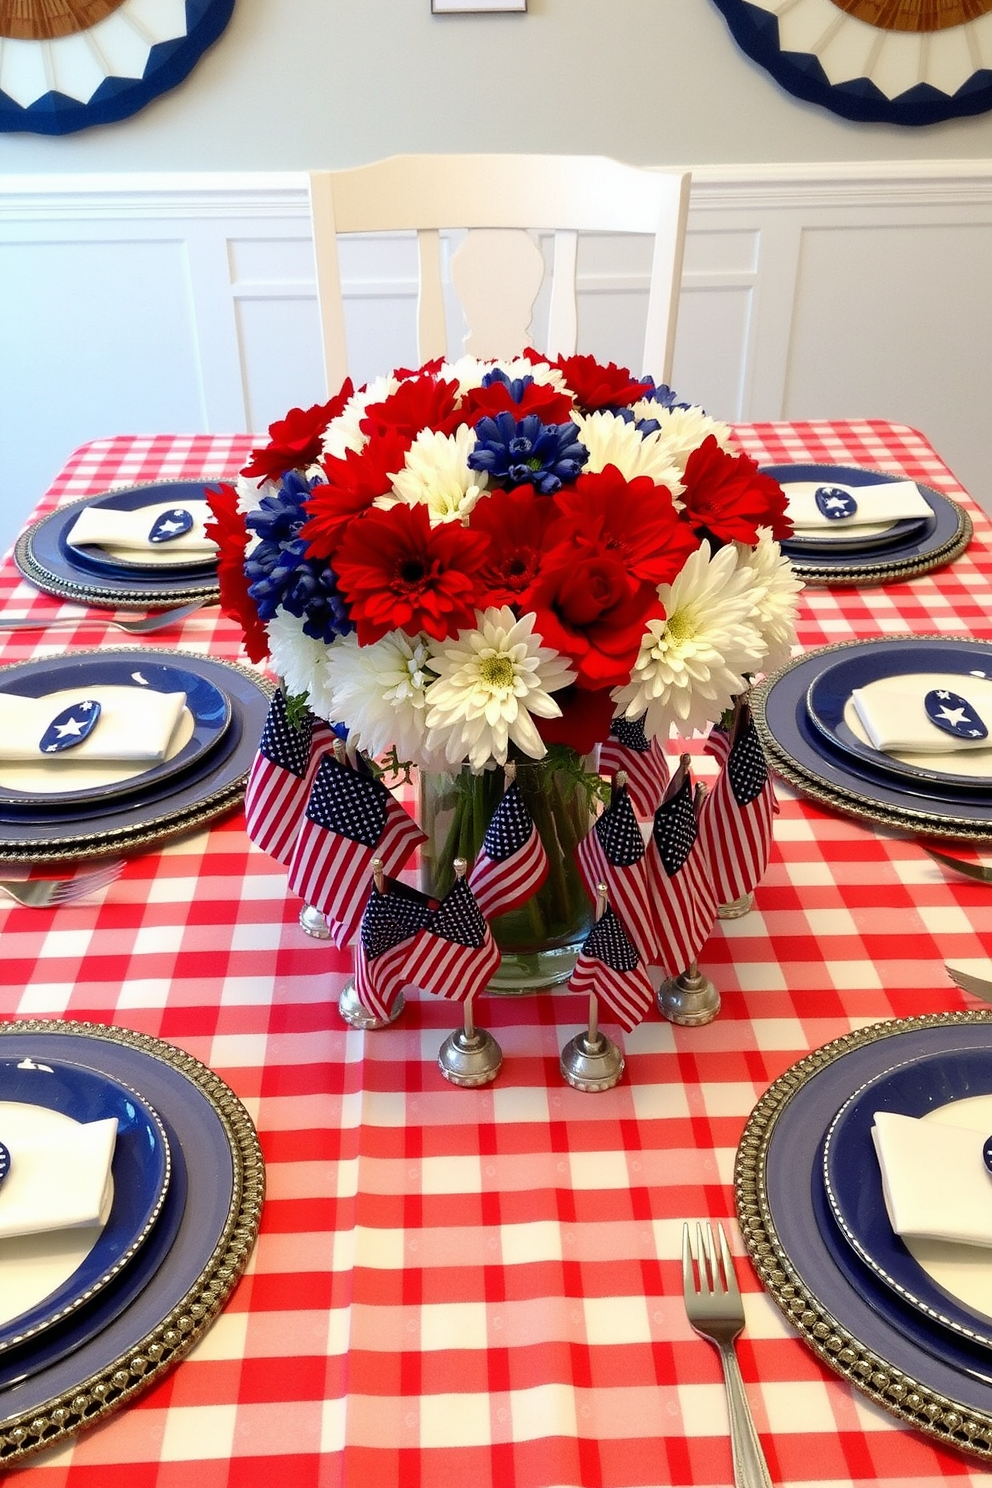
point(250, 492)
point(692, 664)
point(469, 371)
point(301, 662)
point(436, 474)
point(683, 429)
point(343, 432)
point(380, 691)
point(611, 440)
point(490, 681)
point(776, 595)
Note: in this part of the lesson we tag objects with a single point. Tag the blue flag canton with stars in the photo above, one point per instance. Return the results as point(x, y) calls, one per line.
point(675, 829)
point(283, 742)
point(609, 942)
point(746, 767)
point(458, 918)
point(509, 828)
point(618, 832)
point(392, 917)
point(348, 804)
point(630, 733)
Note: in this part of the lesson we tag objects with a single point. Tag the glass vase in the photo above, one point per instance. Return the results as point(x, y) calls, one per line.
point(540, 940)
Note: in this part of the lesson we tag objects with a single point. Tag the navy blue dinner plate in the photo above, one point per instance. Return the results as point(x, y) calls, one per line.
point(140, 1170)
point(97, 560)
point(207, 703)
point(874, 660)
point(854, 1183)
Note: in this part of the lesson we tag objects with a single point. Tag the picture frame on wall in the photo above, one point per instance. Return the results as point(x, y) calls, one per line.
point(457, 7)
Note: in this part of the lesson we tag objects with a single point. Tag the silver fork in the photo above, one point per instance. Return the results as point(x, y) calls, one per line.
point(158, 621)
point(980, 872)
point(714, 1308)
point(46, 893)
point(970, 981)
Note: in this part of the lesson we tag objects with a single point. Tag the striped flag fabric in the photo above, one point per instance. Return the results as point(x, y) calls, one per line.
point(391, 919)
point(735, 822)
point(454, 954)
point(608, 964)
point(628, 748)
point(718, 743)
point(350, 819)
point(512, 864)
point(280, 777)
point(680, 878)
point(612, 853)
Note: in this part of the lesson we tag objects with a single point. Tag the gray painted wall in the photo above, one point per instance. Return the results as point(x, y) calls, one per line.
point(298, 83)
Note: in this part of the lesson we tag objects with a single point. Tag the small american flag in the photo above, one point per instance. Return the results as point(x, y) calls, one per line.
point(718, 743)
point(280, 777)
point(736, 819)
point(392, 917)
point(680, 877)
point(628, 748)
point(513, 863)
point(612, 853)
point(454, 954)
point(350, 819)
point(609, 965)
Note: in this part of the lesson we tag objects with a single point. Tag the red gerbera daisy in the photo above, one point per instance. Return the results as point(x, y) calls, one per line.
point(727, 496)
point(399, 572)
point(228, 531)
point(551, 406)
point(636, 520)
point(353, 483)
point(295, 441)
point(596, 385)
point(515, 523)
point(419, 403)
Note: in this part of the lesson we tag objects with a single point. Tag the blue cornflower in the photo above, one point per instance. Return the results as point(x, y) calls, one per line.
point(663, 394)
point(279, 573)
point(515, 388)
point(526, 452)
point(644, 426)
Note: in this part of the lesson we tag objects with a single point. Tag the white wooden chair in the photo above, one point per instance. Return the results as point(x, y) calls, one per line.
point(498, 270)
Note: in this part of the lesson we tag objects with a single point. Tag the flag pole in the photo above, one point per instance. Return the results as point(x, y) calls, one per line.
point(590, 1061)
point(470, 1056)
point(350, 1006)
point(690, 998)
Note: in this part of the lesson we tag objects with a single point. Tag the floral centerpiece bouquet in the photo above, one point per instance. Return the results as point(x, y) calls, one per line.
point(481, 562)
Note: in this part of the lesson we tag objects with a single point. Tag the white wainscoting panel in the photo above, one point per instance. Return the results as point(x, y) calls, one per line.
point(188, 303)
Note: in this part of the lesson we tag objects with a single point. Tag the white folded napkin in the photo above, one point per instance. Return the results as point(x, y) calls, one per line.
point(127, 531)
point(57, 1180)
point(135, 724)
point(888, 501)
point(893, 715)
point(934, 1181)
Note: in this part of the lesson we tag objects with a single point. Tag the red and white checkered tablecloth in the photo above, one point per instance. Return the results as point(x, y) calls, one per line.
point(457, 1287)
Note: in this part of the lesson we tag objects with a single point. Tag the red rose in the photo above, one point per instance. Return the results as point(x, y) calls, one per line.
point(585, 719)
point(397, 572)
point(295, 441)
point(588, 610)
point(635, 520)
point(728, 498)
point(228, 531)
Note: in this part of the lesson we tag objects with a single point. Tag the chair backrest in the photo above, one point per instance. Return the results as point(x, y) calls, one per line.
point(498, 270)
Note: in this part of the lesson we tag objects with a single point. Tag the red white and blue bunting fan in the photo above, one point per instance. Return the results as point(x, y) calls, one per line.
point(68, 64)
point(876, 61)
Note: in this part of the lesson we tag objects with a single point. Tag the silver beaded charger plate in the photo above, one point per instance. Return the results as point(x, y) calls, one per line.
point(920, 1372)
point(218, 1184)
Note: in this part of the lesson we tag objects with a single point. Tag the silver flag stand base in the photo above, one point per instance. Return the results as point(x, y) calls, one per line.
point(312, 922)
point(358, 1016)
point(470, 1059)
point(736, 907)
point(591, 1064)
point(690, 999)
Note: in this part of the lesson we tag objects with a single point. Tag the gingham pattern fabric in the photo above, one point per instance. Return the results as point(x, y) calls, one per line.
point(457, 1287)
